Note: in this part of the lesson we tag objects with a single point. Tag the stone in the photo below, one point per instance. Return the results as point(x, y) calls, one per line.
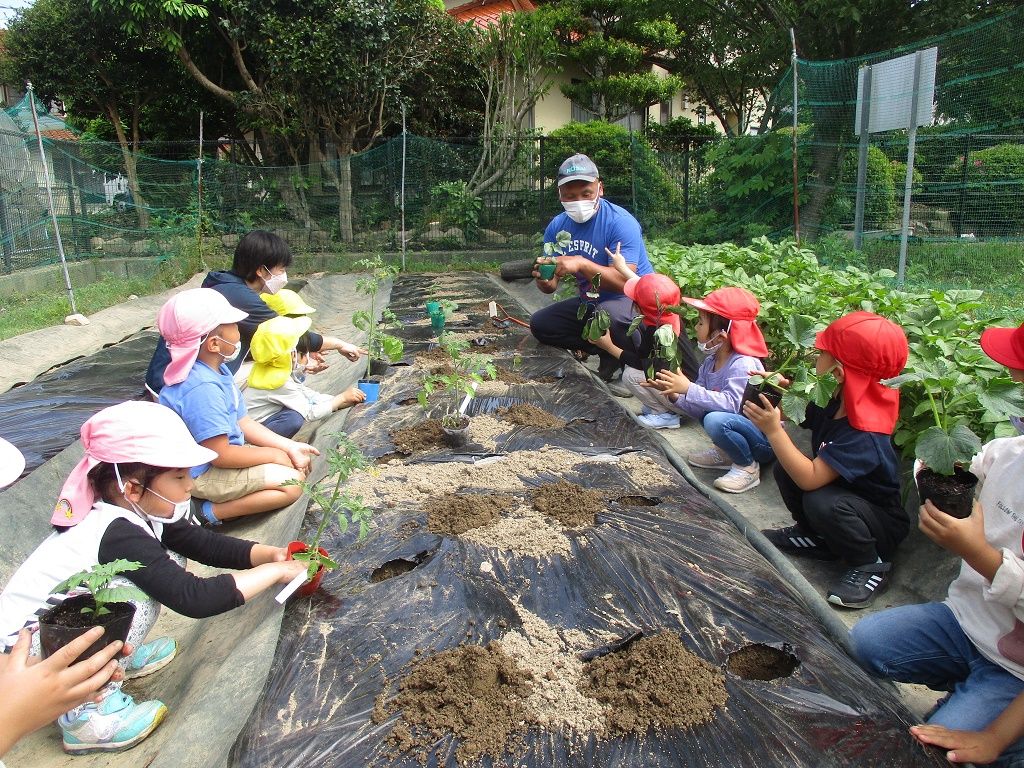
point(96, 243)
point(141, 247)
point(229, 240)
point(76, 320)
point(117, 246)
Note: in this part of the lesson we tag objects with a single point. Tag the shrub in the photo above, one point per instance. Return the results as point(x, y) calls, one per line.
point(995, 190)
point(880, 196)
point(619, 155)
point(455, 206)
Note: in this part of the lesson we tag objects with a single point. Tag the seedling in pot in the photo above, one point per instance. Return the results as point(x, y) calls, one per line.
point(547, 264)
point(666, 354)
point(106, 606)
point(334, 504)
point(381, 346)
point(459, 383)
point(805, 384)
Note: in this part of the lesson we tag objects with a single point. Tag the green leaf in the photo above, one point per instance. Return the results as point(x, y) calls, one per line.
point(794, 406)
point(941, 451)
point(1004, 399)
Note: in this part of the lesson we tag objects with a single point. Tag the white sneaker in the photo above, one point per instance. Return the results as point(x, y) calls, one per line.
point(659, 420)
point(710, 458)
point(739, 479)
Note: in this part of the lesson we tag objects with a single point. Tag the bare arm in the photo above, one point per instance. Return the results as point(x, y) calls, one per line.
point(240, 456)
point(253, 581)
point(298, 453)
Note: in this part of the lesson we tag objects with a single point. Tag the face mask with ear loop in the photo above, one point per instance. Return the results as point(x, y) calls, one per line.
point(227, 358)
point(710, 347)
point(581, 211)
point(181, 508)
point(274, 283)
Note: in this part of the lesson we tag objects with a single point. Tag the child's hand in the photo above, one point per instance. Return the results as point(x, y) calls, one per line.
point(353, 396)
point(766, 418)
point(963, 746)
point(290, 569)
point(960, 536)
point(316, 363)
point(670, 383)
point(300, 454)
point(351, 351)
point(617, 259)
point(605, 342)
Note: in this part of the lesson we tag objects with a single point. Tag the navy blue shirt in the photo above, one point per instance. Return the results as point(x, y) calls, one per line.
point(866, 461)
point(610, 226)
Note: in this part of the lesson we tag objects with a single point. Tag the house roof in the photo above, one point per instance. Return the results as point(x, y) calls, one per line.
point(483, 13)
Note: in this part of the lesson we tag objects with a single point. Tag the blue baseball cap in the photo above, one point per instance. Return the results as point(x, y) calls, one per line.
point(577, 168)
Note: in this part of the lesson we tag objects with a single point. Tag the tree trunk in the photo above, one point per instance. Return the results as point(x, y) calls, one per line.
point(130, 170)
point(345, 188)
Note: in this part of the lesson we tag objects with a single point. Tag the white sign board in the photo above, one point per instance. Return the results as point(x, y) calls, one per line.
point(892, 93)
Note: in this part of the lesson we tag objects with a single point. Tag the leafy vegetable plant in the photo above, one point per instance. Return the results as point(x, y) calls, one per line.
point(97, 580)
point(459, 381)
point(380, 345)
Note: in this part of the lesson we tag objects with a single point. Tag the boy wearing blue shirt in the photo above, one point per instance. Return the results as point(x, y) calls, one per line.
point(599, 229)
point(201, 332)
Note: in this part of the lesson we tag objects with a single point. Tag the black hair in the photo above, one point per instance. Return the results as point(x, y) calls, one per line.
point(304, 345)
point(104, 480)
point(260, 248)
point(716, 323)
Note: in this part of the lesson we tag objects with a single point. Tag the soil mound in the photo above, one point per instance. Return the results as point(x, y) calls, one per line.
point(474, 693)
point(570, 504)
point(527, 415)
point(655, 682)
point(419, 437)
point(456, 513)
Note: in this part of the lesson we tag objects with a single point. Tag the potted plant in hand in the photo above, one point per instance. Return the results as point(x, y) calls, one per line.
point(459, 382)
point(805, 385)
point(383, 348)
point(334, 504)
point(547, 264)
point(102, 605)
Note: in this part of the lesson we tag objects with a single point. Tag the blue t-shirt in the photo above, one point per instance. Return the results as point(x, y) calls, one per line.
point(866, 461)
point(610, 226)
point(210, 405)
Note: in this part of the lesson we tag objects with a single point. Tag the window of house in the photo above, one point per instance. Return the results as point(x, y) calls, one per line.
point(665, 113)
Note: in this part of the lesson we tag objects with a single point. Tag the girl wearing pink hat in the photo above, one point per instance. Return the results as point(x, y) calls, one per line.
point(727, 332)
point(130, 498)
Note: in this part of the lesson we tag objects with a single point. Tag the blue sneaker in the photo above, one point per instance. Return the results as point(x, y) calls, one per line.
point(149, 657)
point(114, 724)
point(659, 420)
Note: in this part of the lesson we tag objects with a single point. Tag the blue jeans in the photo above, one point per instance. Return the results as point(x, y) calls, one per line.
point(924, 644)
point(735, 434)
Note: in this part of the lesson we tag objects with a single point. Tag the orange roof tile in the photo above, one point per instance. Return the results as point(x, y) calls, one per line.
point(60, 134)
point(483, 13)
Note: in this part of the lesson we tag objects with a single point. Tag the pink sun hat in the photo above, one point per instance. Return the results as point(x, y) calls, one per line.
point(185, 320)
point(12, 463)
point(135, 431)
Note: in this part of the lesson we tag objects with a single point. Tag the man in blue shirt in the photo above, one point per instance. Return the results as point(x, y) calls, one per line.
point(598, 228)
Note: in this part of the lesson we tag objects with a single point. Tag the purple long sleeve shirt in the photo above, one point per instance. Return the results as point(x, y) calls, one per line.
point(720, 390)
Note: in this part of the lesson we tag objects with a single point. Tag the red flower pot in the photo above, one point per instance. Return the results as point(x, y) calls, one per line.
point(309, 587)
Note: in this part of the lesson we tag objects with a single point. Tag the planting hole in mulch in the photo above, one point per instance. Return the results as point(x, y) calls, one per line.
point(638, 501)
point(409, 401)
point(568, 503)
point(424, 436)
point(655, 682)
point(457, 513)
point(473, 693)
point(762, 662)
point(400, 566)
point(388, 458)
point(526, 415)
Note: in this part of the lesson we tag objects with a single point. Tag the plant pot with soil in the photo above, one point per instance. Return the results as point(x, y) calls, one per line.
point(103, 606)
point(336, 504)
point(459, 381)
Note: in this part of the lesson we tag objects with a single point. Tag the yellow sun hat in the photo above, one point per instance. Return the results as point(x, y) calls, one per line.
point(271, 350)
point(287, 302)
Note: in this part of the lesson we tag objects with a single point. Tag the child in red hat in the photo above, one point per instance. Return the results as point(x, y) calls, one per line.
point(972, 643)
point(845, 499)
point(727, 333)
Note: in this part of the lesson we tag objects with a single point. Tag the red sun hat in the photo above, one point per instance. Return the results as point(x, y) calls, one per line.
point(1005, 346)
point(870, 348)
point(653, 293)
point(741, 307)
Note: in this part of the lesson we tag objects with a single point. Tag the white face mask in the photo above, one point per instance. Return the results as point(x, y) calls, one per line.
point(274, 283)
point(298, 370)
point(234, 353)
point(581, 211)
point(181, 508)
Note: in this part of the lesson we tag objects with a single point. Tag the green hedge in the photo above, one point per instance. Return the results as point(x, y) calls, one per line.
point(993, 204)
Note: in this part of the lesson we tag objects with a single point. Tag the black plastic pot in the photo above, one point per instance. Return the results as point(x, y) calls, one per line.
point(378, 368)
point(63, 623)
point(458, 436)
point(752, 393)
point(953, 494)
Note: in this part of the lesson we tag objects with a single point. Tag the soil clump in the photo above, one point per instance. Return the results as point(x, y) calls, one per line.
point(527, 415)
point(455, 513)
point(568, 503)
point(762, 662)
point(419, 437)
point(655, 682)
point(476, 694)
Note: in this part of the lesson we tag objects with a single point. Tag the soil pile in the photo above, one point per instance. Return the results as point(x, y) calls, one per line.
point(655, 682)
point(474, 693)
point(456, 513)
point(762, 662)
point(424, 436)
point(525, 532)
point(526, 415)
point(568, 503)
